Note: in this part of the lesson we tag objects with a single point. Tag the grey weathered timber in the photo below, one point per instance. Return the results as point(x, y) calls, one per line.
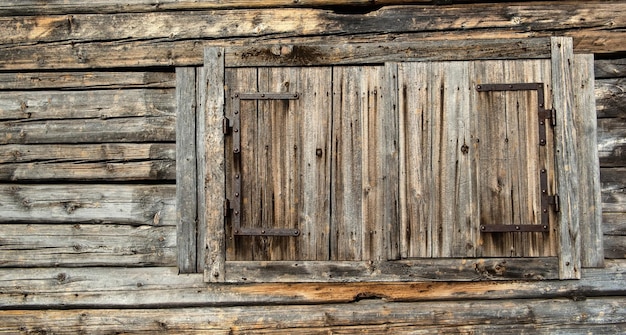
point(567, 158)
point(85, 80)
point(51, 245)
point(186, 195)
point(88, 203)
point(585, 123)
point(610, 68)
point(614, 246)
point(94, 116)
point(612, 142)
point(201, 226)
point(154, 287)
point(543, 316)
point(88, 162)
point(212, 148)
point(611, 97)
point(441, 269)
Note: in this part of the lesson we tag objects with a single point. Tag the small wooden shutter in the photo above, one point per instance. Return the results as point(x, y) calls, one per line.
point(393, 171)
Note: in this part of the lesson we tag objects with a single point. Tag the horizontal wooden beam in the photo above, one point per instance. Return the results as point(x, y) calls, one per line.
point(88, 162)
point(178, 38)
point(153, 287)
point(85, 80)
point(612, 142)
point(88, 203)
point(41, 245)
point(611, 97)
point(543, 316)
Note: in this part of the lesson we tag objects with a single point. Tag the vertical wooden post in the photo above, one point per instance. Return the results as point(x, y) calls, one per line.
point(213, 156)
point(200, 164)
point(566, 158)
point(186, 206)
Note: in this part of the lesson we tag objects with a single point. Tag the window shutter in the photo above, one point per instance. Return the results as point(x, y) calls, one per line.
point(409, 170)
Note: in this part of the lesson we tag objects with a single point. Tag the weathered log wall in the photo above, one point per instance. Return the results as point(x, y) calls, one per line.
point(87, 170)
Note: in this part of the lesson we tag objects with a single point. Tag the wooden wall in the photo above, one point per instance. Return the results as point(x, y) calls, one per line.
point(87, 170)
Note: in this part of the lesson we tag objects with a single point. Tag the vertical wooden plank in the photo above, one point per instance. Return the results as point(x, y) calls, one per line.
point(186, 206)
point(588, 163)
point(567, 158)
point(213, 147)
point(347, 226)
point(390, 178)
point(415, 135)
point(200, 172)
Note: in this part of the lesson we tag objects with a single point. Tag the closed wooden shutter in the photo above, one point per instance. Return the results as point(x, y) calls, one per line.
point(404, 170)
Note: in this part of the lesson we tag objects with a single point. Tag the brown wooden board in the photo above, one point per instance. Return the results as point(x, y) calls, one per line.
point(85, 80)
point(88, 203)
point(51, 245)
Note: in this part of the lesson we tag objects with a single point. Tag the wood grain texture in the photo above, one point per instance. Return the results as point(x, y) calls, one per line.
point(88, 162)
point(610, 68)
point(611, 98)
point(51, 245)
point(537, 316)
point(611, 139)
point(85, 80)
point(567, 158)
point(186, 182)
point(87, 116)
point(177, 38)
point(161, 287)
point(88, 203)
point(211, 148)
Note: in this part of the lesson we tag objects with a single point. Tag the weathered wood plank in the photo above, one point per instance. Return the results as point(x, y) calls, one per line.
point(610, 68)
point(584, 17)
point(212, 152)
point(612, 142)
point(615, 246)
point(611, 97)
point(585, 123)
point(151, 287)
point(613, 190)
point(186, 182)
point(85, 80)
point(87, 162)
point(120, 204)
point(41, 245)
point(566, 158)
point(614, 223)
point(448, 269)
point(201, 196)
point(546, 315)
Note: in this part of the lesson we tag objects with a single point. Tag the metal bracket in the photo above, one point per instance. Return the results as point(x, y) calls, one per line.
point(546, 199)
point(543, 113)
point(237, 166)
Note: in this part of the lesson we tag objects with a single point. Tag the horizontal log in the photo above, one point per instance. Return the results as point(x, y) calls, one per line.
point(178, 38)
point(34, 7)
point(613, 184)
point(30, 106)
point(85, 80)
point(614, 247)
point(612, 142)
point(611, 97)
point(88, 162)
point(39, 245)
point(614, 223)
point(546, 315)
point(610, 68)
point(153, 287)
point(83, 203)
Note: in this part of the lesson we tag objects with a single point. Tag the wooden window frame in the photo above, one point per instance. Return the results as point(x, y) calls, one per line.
point(578, 223)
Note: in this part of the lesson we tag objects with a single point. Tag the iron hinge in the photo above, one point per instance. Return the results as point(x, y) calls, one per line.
point(554, 201)
point(226, 208)
point(226, 127)
point(548, 114)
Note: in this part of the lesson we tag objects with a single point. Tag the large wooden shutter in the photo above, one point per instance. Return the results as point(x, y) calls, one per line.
point(387, 167)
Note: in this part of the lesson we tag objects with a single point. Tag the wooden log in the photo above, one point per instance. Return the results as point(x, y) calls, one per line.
point(611, 97)
point(85, 80)
point(51, 245)
point(610, 68)
point(612, 142)
point(94, 104)
point(88, 162)
point(67, 203)
point(615, 246)
point(613, 190)
point(154, 287)
point(614, 223)
point(546, 316)
point(177, 38)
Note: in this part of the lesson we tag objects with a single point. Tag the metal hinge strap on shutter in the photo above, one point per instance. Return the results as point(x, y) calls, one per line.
point(547, 200)
point(233, 206)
